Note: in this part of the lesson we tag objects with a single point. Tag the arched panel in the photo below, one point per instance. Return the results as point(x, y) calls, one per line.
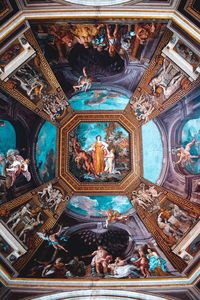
point(46, 152)
point(7, 140)
point(152, 151)
point(191, 136)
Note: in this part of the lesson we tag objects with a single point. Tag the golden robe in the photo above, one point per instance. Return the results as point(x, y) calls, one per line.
point(98, 157)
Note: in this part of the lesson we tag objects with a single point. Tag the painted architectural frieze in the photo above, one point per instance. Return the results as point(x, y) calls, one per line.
point(164, 83)
point(28, 77)
point(165, 215)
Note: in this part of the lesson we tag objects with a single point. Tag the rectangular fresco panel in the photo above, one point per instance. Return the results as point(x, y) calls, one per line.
point(87, 55)
point(99, 152)
point(98, 237)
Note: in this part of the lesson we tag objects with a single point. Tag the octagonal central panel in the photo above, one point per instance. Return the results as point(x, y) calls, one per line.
point(99, 152)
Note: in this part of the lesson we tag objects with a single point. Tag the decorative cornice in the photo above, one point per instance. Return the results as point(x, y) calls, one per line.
point(101, 13)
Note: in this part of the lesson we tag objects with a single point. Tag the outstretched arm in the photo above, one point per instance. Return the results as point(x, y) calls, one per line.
point(59, 231)
point(116, 30)
point(84, 72)
point(179, 161)
point(108, 31)
point(189, 145)
point(38, 217)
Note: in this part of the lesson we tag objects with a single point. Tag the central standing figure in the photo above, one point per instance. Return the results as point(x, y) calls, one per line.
point(99, 151)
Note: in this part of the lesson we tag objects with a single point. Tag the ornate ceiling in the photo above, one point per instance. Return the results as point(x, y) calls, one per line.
point(99, 146)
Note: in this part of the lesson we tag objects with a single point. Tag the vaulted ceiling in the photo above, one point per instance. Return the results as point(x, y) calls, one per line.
point(102, 99)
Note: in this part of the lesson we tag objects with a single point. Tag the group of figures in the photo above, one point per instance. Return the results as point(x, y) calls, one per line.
point(147, 198)
point(170, 218)
point(51, 197)
point(35, 86)
point(167, 80)
point(53, 105)
point(25, 221)
point(174, 222)
point(113, 38)
point(144, 262)
point(101, 160)
point(14, 169)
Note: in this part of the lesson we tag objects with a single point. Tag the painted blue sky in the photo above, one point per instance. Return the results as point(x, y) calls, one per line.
point(45, 142)
point(191, 130)
point(91, 205)
point(7, 139)
point(152, 151)
point(99, 100)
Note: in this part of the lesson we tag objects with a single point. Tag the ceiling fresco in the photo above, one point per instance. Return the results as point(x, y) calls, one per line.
point(99, 153)
point(26, 162)
point(89, 55)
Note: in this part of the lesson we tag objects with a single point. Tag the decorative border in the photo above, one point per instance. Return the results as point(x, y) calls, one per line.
point(7, 9)
point(143, 86)
point(48, 75)
point(190, 9)
point(135, 171)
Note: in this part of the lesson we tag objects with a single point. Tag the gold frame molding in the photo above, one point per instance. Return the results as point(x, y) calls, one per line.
point(190, 9)
point(134, 140)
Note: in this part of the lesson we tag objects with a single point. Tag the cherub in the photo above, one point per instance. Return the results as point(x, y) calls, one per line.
point(185, 155)
point(139, 201)
point(53, 239)
point(143, 107)
point(84, 82)
point(113, 216)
